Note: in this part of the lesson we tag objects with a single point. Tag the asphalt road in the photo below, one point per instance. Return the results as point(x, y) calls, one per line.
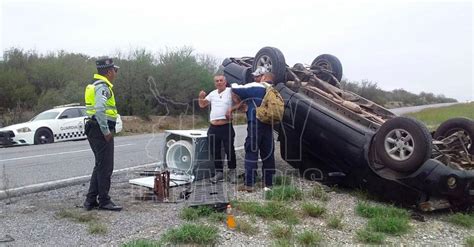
point(28, 165)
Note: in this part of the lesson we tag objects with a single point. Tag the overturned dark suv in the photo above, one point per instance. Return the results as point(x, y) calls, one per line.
point(338, 137)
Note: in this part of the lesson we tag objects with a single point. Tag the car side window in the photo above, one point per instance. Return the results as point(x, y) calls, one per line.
point(82, 112)
point(70, 113)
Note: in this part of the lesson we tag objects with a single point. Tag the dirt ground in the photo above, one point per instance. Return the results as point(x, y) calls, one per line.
point(53, 218)
point(136, 125)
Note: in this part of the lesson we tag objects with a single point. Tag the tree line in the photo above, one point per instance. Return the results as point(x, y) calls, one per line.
point(148, 83)
point(395, 98)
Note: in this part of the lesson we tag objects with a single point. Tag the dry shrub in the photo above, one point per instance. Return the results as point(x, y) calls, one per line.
point(134, 125)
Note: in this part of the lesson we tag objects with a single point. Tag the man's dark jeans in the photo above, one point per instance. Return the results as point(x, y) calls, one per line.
point(104, 163)
point(259, 139)
point(222, 135)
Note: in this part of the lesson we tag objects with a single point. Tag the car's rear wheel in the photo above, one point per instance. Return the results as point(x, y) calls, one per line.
point(330, 63)
point(463, 126)
point(273, 60)
point(43, 136)
point(403, 144)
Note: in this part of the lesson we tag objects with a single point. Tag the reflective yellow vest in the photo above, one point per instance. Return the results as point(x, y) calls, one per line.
point(110, 109)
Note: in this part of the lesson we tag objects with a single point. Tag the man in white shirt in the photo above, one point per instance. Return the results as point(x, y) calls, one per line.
point(220, 130)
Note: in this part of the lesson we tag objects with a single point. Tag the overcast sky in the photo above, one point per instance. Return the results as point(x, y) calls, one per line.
point(415, 45)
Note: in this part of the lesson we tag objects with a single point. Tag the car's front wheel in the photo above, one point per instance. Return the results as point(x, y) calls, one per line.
point(403, 144)
point(43, 136)
point(273, 60)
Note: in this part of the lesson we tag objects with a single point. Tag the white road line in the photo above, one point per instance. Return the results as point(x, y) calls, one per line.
point(53, 184)
point(62, 182)
point(70, 152)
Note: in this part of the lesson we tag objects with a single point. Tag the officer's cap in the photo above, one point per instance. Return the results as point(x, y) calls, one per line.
point(105, 63)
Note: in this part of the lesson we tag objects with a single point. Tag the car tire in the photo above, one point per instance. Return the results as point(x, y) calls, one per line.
point(272, 59)
point(453, 125)
point(43, 136)
point(331, 63)
point(403, 144)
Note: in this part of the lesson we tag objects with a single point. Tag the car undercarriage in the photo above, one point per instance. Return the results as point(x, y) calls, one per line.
point(337, 136)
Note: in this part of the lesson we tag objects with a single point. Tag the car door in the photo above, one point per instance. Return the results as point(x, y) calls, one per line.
point(71, 125)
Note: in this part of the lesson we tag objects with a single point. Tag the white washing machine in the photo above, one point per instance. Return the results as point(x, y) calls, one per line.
point(187, 152)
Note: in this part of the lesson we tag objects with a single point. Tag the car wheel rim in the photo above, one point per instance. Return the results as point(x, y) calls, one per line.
point(266, 62)
point(399, 144)
point(44, 138)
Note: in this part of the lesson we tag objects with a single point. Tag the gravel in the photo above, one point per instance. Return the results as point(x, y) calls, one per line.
point(32, 219)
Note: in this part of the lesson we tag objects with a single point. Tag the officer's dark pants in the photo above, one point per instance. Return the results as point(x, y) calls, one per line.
point(222, 135)
point(259, 139)
point(104, 163)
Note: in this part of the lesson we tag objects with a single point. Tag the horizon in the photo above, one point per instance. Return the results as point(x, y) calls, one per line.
point(219, 62)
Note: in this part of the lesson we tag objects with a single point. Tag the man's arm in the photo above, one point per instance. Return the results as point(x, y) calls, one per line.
point(101, 95)
point(237, 103)
point(240, 95)
point(240, 90)
point(203, 102)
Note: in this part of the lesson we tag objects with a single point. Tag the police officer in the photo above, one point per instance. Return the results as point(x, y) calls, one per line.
point(100, 105)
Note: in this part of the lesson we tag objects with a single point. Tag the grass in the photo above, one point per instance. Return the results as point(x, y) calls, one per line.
point(365, 195)
point(308, 238)
point(390, 225)
point(433, 117)
point(469, 241)
point(97, 228)
point(281, 231)
point(282, 243)
point(253, 219)
point(464, 220)
point(370, 237)
point(217, 217)
point(282, 180)
point(94, 227)
point(247, 207)
point(270, 210)
point(192, 214)
point(313, 210)
point(192, 234)
point(366, 210)
point(284, 193)
point(383, 219)
point(134, 124)
point(189, 214)
point(142, 243)
point(319, 193)
point(335, 221)
point(76, 216)
point(246, 227)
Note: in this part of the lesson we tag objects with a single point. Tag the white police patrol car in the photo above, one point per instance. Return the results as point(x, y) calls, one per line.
point(62, 123)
